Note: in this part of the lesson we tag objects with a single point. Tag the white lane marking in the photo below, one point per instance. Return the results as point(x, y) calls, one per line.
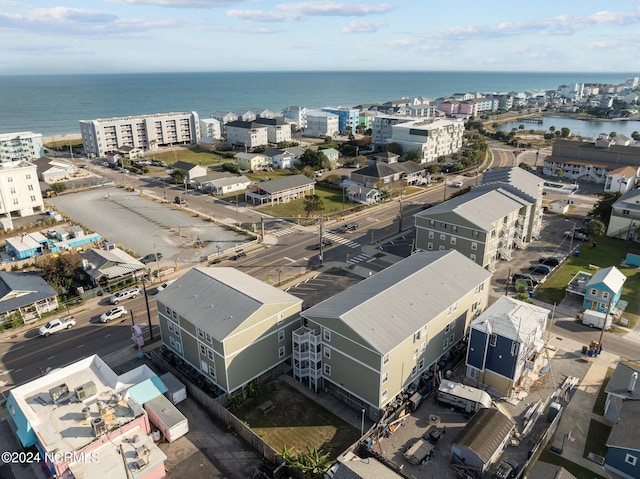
point(6, 372)
point(81, 346)
point(49, 359)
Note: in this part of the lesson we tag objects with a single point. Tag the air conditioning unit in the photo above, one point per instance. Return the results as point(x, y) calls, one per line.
point(99, 426)
point(85, 390)
point(58, 391)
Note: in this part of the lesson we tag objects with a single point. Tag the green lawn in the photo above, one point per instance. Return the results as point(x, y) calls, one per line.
point(598, 406)
point(195, 155)
point(296, 422)
point(575, 469)
point(608, 252)
point(597, 439)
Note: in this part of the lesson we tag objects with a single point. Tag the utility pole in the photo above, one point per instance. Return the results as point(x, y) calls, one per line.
point(321, 245)
point(146, 300)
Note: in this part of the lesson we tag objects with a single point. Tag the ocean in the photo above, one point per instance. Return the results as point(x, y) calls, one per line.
point(53, 104)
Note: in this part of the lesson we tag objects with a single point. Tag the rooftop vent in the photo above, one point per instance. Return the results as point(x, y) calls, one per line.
point(99, 426)
point(58, 391)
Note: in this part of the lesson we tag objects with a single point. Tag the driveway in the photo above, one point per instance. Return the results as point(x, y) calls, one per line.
point(142, 226)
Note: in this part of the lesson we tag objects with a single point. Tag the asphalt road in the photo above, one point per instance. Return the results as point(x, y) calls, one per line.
point(26, 355)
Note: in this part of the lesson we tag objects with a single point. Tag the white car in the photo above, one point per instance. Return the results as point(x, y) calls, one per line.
point(457, 184)
point(165, 285)
point(124, 294)
point(113, 313)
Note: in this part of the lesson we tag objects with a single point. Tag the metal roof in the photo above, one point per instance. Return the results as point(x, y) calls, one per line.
point(511, 319)
point(393, 304)
point(624, 433)
point(611, 277)
point(284, 183)
point(219, 300)
point(485, 433)
point(22, 289)
point(520, 179)
point(479, 207)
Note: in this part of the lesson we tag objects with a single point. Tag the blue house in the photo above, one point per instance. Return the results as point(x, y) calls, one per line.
point(603, 290)
point(505, 349)
point(27, 245)
point(623, 453)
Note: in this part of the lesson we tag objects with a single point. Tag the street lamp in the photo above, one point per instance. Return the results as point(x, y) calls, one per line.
point(573, 232)
point(218, 247)
point(362, 426)
point(279, 276)
point(146, 300)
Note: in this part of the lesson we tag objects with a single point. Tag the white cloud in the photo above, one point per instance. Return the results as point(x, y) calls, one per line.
point(289, 12)
point(358, 26)
point(181, 3)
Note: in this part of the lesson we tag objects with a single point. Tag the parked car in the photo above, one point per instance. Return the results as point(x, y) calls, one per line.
point(113, 313)
point(348, 227)
point(540, 269)
point(506, 470)
point(457, 184)
point(549, 261)
point(426, 206)
point(124, 294)
point(576, 235)
point(165, 285)
point(151, 257)
point(525, 277)
point(56, 325)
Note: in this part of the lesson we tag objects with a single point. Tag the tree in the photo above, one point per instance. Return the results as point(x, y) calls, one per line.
point(596, 228)
point(552, 129)
point(413, 155)
point(521, 127)
point(525, 166)
point(58, 187)
point(313, 158)
point(635, 135)
point(602, 209)
point(565, 132)
point(613, 134)
point(395, 148)
point(61, 271)
point(178, 175)
point(313, 203)
point(231, 168)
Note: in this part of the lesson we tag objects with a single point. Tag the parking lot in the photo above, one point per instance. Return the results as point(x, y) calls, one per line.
point(144, 226)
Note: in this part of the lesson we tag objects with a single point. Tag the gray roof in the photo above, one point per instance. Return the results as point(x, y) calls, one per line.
point(624, 433)
point(485, 433)
point(524, 181)
point(511, 319)
point(393, 304)
point(359, 468)
point(213, 176)
point(478, 207)
point(611, 277)
point(630, 201)
point(111, 263)
point(270, 121)
point(219, 300)
point(621, 379)
point(228, 181)
point(183, 165)
point(29, 286)
point(382, 170)
point(284, 183)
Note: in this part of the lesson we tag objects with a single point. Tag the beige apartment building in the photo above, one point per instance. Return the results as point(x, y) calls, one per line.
point(488, 222)
point(371, 342)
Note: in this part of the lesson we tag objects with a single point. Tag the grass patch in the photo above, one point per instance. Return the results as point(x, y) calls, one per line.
point(295, 208)
point(596, 439)
point(296, 422)
point(576, 469)
point(598, 407)
point(608, 252)
point(195, 155)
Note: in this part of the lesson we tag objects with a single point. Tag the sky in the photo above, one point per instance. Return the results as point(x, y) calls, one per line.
point(126, 36)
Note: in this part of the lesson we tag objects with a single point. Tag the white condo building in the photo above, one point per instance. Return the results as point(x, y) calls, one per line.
point(433, 138)
point(148, 132)
point(24, 145)
point(297, 114)
point(321, 124)
point(20, 193)
point(211, 128)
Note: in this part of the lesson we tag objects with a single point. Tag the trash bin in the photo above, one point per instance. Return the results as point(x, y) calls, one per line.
point(590, 352)
point(585, 349)
point(576, 252)
point(531, 293)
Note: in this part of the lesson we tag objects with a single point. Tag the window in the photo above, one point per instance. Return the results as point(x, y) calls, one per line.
point(430, 246)
point(514, 348)
point(454, 229)
point(281, 351)
point(472, 257)
point(200, 333)
point(443, 237)
point(203, 349)
point(452, 339)
point(327, 369)
point(447, 328)
point(327, 353)
point(493, 339)
point(212, 372)
point(416, 336)
point(385, 360)
point(432, 223)
point(445, 343)
point(421, 364)
point(280, 335)
point(15, 201)
point(12, 190)
point(385, 378)
point(474, 246)
point(593, 292)
point(27, 176)
point(171, 327)
point(441, 248)
point(414, 370)
point(30, 187)
point(475, 234)
point(208, 337)
point(415, 354)
point(210, 353)
point(280, 318)
point(9, 179)
point(431, 235)
point(423, 347)
point(605, 295)
point(384, 394)
point(629, 459)
point(32, 198)
point(175, 345)
point(327, 335)
point(453, 240)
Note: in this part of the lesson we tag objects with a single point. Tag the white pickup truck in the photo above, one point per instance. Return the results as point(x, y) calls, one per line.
point(56, 325)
